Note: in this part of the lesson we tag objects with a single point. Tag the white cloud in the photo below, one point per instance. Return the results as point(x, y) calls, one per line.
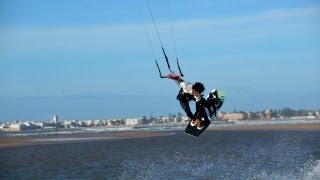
point(66, 37)
point(271, 15)
point(276, 23)
point(134, 34)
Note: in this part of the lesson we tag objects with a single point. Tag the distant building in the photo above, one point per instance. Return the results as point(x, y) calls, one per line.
point(54, 119)
point(15, 127)
point(67, 123)
point(133, 121)
point(231, 116)
point(40, 124)
point(302, 117)
point(267, 114)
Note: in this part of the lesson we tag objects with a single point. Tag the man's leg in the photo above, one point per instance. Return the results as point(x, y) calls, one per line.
point(184, 102)
point(185, 106)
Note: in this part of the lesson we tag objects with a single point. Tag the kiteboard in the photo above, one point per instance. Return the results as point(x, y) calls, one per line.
point(194, 130)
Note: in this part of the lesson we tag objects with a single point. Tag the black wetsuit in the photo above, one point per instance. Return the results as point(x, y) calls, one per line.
point(200, 112)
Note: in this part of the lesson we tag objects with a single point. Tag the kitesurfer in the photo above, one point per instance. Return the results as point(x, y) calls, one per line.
point(191, 92)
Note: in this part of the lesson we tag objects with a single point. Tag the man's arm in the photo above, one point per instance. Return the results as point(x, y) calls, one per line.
point(200, 107)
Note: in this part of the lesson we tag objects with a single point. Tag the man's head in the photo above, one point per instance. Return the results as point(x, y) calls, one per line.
point(197, 88)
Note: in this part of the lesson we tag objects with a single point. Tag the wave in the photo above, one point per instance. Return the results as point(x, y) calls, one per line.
point(70, 139)
point(97, 130)
point(314, 172)
point(155, 171)
point(272, 122)
point(44, 133)
point(310, 171)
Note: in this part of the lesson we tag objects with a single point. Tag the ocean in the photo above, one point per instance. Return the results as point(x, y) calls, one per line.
point(215, 154)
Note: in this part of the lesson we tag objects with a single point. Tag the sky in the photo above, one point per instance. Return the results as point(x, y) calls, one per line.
point(84, 59)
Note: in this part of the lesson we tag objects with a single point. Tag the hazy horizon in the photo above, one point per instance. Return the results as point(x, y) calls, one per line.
point(79, 107)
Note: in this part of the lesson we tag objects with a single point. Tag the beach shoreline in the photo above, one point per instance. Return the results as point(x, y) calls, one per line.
point(69, 138)
point(293, 127)
point(107, 136)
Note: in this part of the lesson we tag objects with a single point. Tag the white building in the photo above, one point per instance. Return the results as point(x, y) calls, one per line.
point(40, 124)
point(54, 119)
point(231, 116)
point(67, 123)
point(14, 127)
point(133, 121)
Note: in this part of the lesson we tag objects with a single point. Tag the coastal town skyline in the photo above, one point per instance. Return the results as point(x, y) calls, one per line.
point(57, 123)
point(286, 112)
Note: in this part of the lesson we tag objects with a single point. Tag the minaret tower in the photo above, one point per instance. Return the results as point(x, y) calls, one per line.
point(54, 119)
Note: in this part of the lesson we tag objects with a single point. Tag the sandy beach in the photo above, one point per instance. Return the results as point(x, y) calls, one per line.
point(37, 140)
point(58, 139)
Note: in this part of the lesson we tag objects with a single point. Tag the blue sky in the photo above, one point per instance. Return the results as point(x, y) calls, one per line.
point(85, 59)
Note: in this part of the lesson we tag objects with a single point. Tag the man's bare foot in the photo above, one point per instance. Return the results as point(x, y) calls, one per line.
point(198, 122)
